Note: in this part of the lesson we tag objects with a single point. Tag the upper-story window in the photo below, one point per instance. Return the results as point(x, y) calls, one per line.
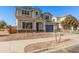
point(36, 13)
point(25, 12)
point(46, 17)
point(53, 20)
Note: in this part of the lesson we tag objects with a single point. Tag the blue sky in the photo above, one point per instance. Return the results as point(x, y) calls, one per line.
point(7, 13)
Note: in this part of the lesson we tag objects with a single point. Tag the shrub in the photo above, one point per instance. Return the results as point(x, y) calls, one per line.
point(12, 29)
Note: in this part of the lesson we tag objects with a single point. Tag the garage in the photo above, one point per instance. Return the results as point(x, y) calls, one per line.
point(49, 28)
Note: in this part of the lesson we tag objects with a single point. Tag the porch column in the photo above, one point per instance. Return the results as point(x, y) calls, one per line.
point(44, 26)
point(34, 25)
point(17, 24)
point(54, 27)
point(21, 25)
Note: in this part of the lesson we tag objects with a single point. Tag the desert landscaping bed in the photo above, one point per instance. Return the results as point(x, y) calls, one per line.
point(26, 36)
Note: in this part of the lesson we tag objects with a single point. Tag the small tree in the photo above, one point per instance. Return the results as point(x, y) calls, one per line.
point(2, 24)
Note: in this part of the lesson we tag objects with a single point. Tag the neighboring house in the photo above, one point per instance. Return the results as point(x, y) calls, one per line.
point(32, 19)
point(59, 20)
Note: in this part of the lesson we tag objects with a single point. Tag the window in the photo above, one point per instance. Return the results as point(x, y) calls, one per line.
point(25, 12)
point(53, 20)
point(46, 17)
point(36, 13)
point(26, 25)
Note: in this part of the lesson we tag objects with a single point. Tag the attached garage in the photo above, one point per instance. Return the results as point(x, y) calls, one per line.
point(49, 28)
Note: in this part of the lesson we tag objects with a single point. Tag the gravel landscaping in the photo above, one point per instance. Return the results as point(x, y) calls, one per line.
point(26, 36)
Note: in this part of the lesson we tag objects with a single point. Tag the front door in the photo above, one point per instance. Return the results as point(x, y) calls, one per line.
point(37, 27)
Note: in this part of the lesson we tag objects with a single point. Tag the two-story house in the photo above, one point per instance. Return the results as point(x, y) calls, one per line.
point(32, 19)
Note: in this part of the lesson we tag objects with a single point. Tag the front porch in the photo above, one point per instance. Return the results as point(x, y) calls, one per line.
point(29, 26)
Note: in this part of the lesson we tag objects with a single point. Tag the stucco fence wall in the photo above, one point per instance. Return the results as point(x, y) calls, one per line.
point(17, 46)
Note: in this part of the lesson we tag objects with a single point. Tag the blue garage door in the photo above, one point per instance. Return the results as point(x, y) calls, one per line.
point(49, 28)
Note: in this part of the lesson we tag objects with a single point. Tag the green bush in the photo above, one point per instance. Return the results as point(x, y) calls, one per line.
point(12, 29)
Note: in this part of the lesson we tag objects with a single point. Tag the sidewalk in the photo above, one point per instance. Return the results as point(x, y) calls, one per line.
point(62, 46)
point(17, 46)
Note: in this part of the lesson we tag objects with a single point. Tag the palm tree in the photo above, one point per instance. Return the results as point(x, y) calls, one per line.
point(69, 21)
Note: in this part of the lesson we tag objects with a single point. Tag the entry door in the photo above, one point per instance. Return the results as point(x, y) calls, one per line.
point(37, 27)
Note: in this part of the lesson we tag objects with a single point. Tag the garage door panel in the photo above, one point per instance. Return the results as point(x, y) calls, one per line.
point(49, 28)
